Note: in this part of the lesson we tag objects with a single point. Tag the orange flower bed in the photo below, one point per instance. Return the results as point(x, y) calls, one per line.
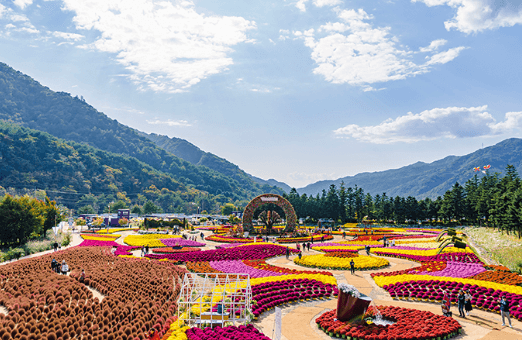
point(499, 268)
point(203, 267)
point(507, 278)
point(341, 254)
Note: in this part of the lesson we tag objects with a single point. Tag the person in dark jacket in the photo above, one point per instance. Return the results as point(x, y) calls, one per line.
point(461, 298)
point(352, 267)
point(287, 252)
point(504, 310)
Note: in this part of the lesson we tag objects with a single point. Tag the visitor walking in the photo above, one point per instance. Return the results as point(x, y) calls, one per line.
point(55, 266)
point(146, 249)
point(287, 252)
point(308, 246)
point(65, 268)
point(446, 304)
point(55, 246)
point(344, 235)
point(297, 247)
point(142, 251)
point(352, 266)
point(504, 310)
point(461, 298)
point(300, 255)
point(368, 250)
point(202, 235)
point(467, 304)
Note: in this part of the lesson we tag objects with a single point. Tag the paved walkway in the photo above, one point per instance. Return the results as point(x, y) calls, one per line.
point(298, 321)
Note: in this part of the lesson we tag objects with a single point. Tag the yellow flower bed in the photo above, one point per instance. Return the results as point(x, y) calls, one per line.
point(322, 261)
point(114, 230)
point(430, 252)
point(178, 329)
point(338, 247)
point(387, 280)
point(151, 240)
point(100, 238)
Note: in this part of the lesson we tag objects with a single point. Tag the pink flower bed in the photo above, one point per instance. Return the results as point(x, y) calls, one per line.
point(237, 266)
point(96, 243)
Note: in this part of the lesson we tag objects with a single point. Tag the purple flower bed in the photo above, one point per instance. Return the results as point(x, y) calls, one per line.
point(227, 333)
point(238, 266)
point(96, 243)
point(253, 252)
point(173, 242)
point(410, 248)
point(458, 269)
point(270, 294)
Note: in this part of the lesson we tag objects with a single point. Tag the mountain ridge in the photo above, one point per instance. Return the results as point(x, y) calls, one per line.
point(26, 102)
point(433, 179)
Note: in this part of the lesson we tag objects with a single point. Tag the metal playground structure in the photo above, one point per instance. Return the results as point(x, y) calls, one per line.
point(208, 299)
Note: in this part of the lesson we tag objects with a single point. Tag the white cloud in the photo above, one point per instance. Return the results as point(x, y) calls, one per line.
point(166, 46)
point(479, 15)
point(321, 3)
point(300, 4)
point(22, 3)
point(353, 51)
point(68, 36)
point(2, 10)
point(450, 122)
point(169, 122)
point(445, 57)
point(434, 45)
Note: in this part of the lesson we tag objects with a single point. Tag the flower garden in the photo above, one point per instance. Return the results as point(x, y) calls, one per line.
point(141, 292)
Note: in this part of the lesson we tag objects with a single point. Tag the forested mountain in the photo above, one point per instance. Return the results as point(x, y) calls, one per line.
point(68, 170)
point(191, 153)
point(26, 102)
point(431, 180)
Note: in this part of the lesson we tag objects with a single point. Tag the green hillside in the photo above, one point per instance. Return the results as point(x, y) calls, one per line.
point(26, 102)
point(76, 173)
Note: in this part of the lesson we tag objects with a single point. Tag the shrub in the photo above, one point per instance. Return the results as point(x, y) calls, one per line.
point(66, 239)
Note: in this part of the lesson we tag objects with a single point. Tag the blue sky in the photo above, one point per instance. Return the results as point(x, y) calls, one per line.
point(299, 90)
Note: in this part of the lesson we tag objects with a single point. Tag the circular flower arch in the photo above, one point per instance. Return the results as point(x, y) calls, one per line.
point(248, 214)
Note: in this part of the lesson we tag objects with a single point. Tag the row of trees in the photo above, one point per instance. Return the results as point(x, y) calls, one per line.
point(491, 200)
point(24, 218)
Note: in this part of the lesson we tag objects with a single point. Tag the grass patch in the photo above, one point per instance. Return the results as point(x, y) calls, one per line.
point(503, 248)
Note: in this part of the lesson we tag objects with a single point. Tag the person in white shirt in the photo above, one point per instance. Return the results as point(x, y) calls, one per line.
point(65, 268)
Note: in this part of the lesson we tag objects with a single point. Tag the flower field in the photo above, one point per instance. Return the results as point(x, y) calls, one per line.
point(338, 262)
point(409, 324)
point(141, 293)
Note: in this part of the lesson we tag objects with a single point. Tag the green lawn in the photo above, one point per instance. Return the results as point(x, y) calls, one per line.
point(505, 249)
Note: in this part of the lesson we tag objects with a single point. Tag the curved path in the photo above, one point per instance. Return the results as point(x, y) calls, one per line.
point(298, 320)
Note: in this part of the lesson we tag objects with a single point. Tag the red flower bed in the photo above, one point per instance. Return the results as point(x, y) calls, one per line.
point(410, 324)
point(341, 254)
point(317, 237)
point(170, 250)
point(431, 266)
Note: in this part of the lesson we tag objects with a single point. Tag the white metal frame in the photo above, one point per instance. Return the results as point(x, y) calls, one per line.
point(203, 291)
